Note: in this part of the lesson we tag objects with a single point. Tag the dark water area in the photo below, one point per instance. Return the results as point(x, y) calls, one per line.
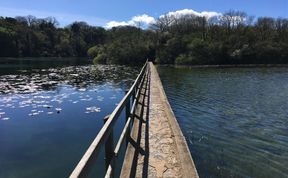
point(235, 120)
point(12, 65)
point(50, 115)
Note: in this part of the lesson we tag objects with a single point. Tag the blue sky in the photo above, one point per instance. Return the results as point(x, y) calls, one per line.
point(97, 12)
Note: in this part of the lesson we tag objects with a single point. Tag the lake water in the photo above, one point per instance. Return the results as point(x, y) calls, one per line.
point(49, 116)
point(235, 120)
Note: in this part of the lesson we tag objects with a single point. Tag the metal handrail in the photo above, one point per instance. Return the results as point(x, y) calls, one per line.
point(84, 165)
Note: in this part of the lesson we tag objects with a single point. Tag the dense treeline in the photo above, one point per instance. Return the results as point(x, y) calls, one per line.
point(32, 37)
point(232, 38)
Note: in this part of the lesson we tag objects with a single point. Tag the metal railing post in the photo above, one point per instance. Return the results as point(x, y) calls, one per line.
point(133, 95)
point(128, 114)
point(109, 153)
point(105, 135)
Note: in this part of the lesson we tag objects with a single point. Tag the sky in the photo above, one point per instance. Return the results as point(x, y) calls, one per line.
point(109, 13)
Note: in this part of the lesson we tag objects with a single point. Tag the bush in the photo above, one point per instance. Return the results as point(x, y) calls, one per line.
point(184, 59)
point(200, 52)
point(268, 52)
point(94, 51)
point(100, 59)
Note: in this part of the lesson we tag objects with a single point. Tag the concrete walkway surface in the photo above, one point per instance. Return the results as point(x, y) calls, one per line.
point(157, 147)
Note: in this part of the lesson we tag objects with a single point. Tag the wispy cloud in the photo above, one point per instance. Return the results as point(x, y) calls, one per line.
point(63, 18)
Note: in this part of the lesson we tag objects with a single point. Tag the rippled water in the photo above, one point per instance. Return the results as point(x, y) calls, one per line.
point(235, 120)
point(48, 117)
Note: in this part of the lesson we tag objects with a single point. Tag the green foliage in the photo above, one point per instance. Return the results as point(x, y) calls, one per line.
point(94, 51)
point(170, 49)
point(234, 38)
point(30, 36)
point(100, 59)
point(184, 59)
point(126, 45)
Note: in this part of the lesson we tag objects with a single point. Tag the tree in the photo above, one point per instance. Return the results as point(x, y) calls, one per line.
point(231, 38)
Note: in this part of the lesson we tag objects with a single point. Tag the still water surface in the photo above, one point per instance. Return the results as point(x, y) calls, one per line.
point(235, 120)
point(49, 116)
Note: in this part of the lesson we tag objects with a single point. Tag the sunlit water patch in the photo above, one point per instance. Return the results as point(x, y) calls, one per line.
point(48, 117)
point(235, 120)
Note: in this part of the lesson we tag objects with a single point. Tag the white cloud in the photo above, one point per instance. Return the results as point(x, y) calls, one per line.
point(143, 20)
point(112, 24)
point(184, 12)
point(209, 15)
point(67, 18)
point(181, 13)
point(63, 18)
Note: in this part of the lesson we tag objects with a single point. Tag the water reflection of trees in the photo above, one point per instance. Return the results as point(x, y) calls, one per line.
point(77, 76)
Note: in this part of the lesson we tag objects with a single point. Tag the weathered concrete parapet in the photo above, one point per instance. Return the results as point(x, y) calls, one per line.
point(159, 148)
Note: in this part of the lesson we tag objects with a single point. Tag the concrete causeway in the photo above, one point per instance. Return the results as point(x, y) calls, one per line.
point(157, 147)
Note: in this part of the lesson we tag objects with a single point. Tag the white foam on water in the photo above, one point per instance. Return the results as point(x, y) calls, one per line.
point(5, 118)
point(93, 109)
point(34, 114)
point(58, 109)
point(113, 97)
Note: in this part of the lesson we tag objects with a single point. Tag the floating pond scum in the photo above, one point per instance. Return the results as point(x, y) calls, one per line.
point(38, 121)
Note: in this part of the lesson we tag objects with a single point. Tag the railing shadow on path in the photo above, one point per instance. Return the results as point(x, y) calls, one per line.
point(141, 148)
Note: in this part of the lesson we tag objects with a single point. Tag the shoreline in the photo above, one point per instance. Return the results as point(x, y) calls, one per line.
point(225, 66)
